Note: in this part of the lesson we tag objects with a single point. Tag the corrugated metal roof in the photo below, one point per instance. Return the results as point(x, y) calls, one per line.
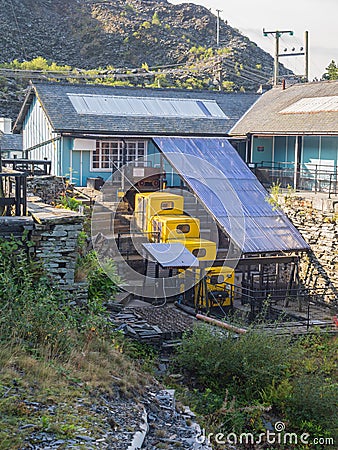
point(313, 105)
point(229, 190)
point(55, 100)
point(265, 115)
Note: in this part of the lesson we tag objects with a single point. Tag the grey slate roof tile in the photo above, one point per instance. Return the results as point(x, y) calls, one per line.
point(64, 117)
point(11, 142)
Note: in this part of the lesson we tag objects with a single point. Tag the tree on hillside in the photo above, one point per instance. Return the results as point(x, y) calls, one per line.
point(331, 71)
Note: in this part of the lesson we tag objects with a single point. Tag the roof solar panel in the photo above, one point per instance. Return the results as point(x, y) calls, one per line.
point(231, 193)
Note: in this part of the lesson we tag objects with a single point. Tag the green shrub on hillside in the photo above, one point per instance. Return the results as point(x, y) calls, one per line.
point(245, 365)
point(34, 312)
point(38, 63)
point(155, 19)
point(235, 380)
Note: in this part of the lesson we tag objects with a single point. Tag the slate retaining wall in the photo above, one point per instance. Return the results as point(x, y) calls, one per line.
point(55, 234)
point(320, 230)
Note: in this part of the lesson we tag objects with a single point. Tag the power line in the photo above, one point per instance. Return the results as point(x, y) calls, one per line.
point(19, 31)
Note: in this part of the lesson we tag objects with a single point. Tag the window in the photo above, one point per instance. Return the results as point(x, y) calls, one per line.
point(183, 228)
point(167, 205)
point(216, 279)
point(110, 155)
point(199, 252)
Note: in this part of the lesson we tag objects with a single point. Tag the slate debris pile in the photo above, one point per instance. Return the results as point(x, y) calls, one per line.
point(116, 420)
point(48, 188)
point(122, 424)
point(86, 34)
point(153, 325)
point(170, 427)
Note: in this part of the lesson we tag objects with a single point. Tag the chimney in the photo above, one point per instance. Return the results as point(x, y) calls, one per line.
point(6, 125)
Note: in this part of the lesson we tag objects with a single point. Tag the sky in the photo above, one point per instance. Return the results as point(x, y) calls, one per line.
point(318, 17)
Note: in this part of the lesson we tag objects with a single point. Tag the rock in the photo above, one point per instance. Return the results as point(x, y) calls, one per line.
point(90, 34)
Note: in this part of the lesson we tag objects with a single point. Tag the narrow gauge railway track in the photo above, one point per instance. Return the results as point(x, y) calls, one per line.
point(164, 326)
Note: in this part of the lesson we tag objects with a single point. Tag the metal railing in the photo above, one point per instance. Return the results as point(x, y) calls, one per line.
point(275, 302)
point(13, 193)
point(29, 166)
point(306, 177)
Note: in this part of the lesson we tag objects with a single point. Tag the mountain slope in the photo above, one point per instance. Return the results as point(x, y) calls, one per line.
point(131, 33)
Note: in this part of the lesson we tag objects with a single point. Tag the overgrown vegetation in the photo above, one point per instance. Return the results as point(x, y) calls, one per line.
point(238, 384)
point(34, 312)
point(192, 79)
point(59, 355)
point(276, 195)
point(68, 202)
point(57, 358)
point(101, 287)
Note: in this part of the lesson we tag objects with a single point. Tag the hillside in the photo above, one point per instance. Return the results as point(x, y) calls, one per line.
point(88, 34)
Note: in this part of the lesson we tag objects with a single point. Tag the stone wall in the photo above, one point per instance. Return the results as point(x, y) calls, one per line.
point(320, 230)
point(55, 234)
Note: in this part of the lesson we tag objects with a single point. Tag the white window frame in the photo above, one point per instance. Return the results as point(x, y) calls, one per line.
point(120, 146)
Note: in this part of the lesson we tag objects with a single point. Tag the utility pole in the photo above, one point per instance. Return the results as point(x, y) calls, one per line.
point(217, 27)
point(304, 53)
point(277, 35)
point(306, 39)
point(218, 73)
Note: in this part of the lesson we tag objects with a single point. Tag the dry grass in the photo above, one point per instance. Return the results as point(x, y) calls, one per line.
point(64, 385)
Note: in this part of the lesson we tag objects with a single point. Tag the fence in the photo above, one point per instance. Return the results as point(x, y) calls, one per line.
point(13, 193)
point(306, 177)
point(29, 166)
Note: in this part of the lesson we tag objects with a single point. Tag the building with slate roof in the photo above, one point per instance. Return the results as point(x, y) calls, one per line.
point(91, 130)
point(10, 144)
point(292, 133)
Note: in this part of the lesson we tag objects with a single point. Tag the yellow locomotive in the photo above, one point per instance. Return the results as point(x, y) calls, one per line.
point(173, 227)
point(150, 204)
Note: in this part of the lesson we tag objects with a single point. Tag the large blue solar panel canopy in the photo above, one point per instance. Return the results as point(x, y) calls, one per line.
point(231, 193)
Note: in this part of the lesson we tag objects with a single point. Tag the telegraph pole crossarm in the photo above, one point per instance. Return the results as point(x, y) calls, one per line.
point(277, 34)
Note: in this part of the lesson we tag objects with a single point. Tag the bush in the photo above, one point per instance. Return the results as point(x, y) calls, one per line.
point(245, 365)
point(35, 313)
point(71, 203)
point(155, 19)
point(257, 372)
point(312, 399)
point(146, 24)
point(102, 278)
